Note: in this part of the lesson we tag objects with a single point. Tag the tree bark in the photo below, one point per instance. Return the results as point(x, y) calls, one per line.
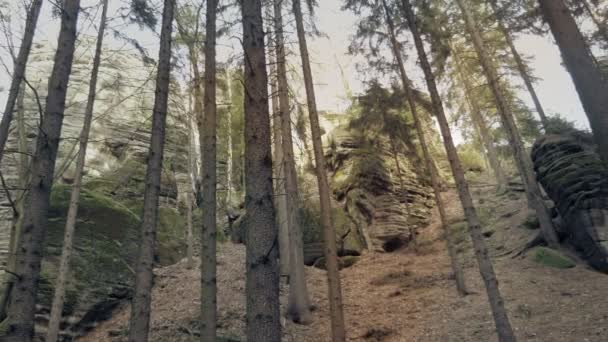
point(521, 65)
point(30, 244)
point(590, 83)
point(230, 161)
point(19, 71)
point(480, 122)
point(333, 274)
point(280, 193)
point(140, 307)
point(298, 307)
point(262, 288)
point(70, 225)
point(428, 159)
point(501, 319)
point(522, 159)
point(209, 207)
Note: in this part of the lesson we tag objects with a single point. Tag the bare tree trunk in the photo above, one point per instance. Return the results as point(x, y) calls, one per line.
point(428, 159)
point(522, 159)
point(298, 307)
point(70, 225)
point(501, 319)
point(480, 122)
point(209, 153)
point(19, 71)
point(280, 193)
point(521, 65)
point(262, 289)
point(333, 274)
point(590, 83)
point(190, 194)
point(230, 161)
point(30, 244)
point(140, 307)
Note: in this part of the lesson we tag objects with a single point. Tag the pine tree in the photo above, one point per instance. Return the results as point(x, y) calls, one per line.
point(140, 307)
point(519, 63)
point(70, 225)
point(35, 219)
point(298, 307)
point(591, 84)
point(522, 160)
point(329, 235)
point(209, 173)
point(19, 71)
point(450, 244)
point(262, 288)
point(501, 319)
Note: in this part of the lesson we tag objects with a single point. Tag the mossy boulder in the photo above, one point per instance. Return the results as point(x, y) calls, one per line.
point(106, 243)
point(105, 248)
point(552, 258)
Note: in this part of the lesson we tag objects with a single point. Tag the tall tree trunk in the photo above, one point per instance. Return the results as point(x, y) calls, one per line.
point(298, 307)
point(30, 243)
point(70, 225)
point(140, 307)
point(522, 159)
point(333, 274)
point(230, 161)
point(521, 65)
point(192, 177)
point(428, 159)
point(280, 193)
point(209, 153)
point(591, 84)
point(480, 122)
point(262, 289)
point(501, 319)
point(19, 71)
point(8, 278)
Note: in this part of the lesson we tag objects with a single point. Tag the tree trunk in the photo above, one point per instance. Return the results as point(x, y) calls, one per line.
point(522, 159)
point(298, 307)
point(280, 194)
point(480, 122)
point(140, 307)
point(262, 289)
point(590, 83)
point(521, 65)
point(329, 235)
point(19, 71)
point(428, 159)
point(70, 225)
point(30, 244)
point(501, 319)
point(229, 162)
point(209, 207)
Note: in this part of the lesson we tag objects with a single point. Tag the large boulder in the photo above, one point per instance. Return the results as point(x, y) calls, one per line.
point(576, 179)
point(105, 248)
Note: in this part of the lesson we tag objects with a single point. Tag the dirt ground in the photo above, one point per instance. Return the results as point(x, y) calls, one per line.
point(406, 295)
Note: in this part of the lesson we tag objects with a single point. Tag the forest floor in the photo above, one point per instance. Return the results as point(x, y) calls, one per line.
point(406, 295)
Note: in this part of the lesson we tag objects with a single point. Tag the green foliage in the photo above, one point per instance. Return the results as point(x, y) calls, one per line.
point(560, 125)
point(471, 158)
point(552, 258)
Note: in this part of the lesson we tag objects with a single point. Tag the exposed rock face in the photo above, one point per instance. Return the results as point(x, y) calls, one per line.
point(576, 179)
point(380, 190)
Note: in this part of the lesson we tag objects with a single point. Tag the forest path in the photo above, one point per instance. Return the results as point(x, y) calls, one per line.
point(407, 295)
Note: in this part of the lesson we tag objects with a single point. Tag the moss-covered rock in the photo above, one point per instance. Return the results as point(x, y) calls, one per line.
point(552, 258)
point(105, 248)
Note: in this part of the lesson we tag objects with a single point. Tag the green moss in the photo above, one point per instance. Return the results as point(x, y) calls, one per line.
point(171, 235)
point(552, 258)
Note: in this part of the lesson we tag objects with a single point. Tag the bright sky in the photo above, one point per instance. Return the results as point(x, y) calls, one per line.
point(329, 56)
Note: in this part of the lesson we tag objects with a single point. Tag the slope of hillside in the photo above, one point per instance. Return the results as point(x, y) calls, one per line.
point(406, 295)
